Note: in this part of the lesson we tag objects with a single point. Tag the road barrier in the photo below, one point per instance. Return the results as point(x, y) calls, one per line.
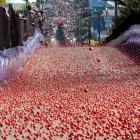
point(129, 43)
point(15, 30)
point(12, 60)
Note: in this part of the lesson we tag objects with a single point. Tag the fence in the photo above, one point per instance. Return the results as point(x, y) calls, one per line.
point(13, 59)
point(14, 30)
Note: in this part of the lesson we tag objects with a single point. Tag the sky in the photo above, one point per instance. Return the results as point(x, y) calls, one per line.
point(98, 3)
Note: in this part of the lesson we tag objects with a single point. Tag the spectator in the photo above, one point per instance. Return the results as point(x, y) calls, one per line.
point(26, 11)
point(4, 30)
point(14, 28)
point(41, 20)
point(30, 20)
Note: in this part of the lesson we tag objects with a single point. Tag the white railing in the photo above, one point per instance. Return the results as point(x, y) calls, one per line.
point(12, 60)
point(132, 35)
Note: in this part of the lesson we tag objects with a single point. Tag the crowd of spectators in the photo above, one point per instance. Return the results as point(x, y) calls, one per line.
point(62, 10)
point(16, 27)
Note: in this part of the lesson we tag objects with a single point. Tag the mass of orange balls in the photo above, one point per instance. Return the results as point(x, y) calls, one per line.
point(72, 93)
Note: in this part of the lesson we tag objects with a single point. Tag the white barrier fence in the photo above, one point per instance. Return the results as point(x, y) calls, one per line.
point(132, 35)
point(12, 60)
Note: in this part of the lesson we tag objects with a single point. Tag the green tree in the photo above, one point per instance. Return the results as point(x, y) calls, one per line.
point(129, 14)
point(130, 8)
point(83, 19)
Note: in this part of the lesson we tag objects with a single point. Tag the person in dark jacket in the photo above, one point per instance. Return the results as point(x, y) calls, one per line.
point(4, 30)
point(14, 27)
point(41, 20)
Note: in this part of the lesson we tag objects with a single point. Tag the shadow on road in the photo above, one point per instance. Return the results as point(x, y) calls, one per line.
point(132, 50)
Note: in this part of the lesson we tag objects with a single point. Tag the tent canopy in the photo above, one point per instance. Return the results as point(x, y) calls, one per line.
point(31, 1)
point(19, 1)
point(16, 1)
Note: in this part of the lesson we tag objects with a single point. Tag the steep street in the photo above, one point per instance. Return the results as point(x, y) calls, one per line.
point(73, 93)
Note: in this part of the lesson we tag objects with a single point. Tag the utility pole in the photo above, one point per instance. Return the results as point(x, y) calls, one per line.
point(79, 16)
point(99, 26)
point(89, 32)
point(116, 8)
point(90, 23)
point(78, 29)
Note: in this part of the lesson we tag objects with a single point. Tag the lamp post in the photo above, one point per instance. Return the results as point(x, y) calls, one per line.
point(89, 24)
point(99, 27)
point(79, 29)
point(89, 30)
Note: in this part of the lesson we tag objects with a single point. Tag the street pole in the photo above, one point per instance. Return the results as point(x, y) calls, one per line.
point(116, 6)
point(89, 33)
point(99, 26)
point(78, 29)
point(78, 16)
